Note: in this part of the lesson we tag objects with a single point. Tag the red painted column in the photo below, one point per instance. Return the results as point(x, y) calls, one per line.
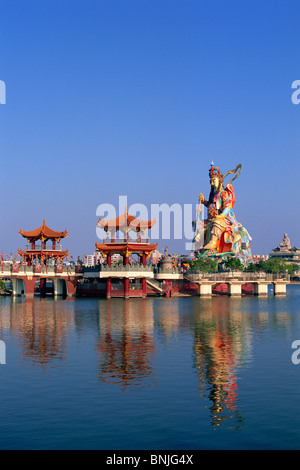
point(125, 259)
point(144, 286)
point(126, 287)
point(108, 288)
point(108, 259)
point(42, 285)
point(29, 287)
point(144, 259)
point(72, 286)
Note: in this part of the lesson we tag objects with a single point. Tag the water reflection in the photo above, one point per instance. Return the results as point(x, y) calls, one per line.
point(41, 327)
point(222, 343)
point(220, 333)
point(125, 345)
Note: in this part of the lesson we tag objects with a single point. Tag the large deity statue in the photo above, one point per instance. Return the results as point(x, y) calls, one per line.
point(220, 234)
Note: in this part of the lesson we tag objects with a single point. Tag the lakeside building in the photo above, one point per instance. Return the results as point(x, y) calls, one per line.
point(286, 252)
point(258, 258)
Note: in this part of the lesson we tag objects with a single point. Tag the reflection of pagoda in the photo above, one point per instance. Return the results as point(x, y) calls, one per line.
point(125, 345)
point(126, 246)
point(41, 329)
point(41, 253)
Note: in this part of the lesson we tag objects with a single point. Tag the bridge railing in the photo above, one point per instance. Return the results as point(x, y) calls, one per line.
point(118, 267)
point(109, 241)
point(238, 276)
point(46, 247)
point(24, 269)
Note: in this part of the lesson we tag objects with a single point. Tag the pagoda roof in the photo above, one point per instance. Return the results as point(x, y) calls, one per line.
point(123, 246)
point(43, 232)
point(125, 221)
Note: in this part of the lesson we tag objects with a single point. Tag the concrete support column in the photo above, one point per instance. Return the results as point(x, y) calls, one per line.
point(261, 288)
point(205, 289)
point(126, 287)
point(58, 285)
point(235, 289)
point(279, 288)
point(17, 286)
point(108, 288)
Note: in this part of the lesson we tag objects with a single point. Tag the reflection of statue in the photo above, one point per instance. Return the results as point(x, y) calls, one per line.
point(222, 232)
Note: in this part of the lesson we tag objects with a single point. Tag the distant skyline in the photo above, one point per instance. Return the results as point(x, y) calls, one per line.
point(136, 98)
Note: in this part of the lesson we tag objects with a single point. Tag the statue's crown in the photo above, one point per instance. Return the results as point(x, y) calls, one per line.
point(214, 171)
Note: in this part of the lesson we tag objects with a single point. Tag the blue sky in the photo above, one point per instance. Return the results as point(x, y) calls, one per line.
point(136, 98)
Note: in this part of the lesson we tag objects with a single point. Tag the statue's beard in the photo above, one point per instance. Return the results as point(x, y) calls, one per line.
point(213, 192)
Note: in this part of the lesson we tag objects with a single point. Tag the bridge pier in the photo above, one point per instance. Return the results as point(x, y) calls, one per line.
point(279, 288)
point(144, 286)
point(261, 288)
point(235, 289)
point(18, 287)
point(205, 289)
point(71, 284)
point(23, 285)
point(59, 287)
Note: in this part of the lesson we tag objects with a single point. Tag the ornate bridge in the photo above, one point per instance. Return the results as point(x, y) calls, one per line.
point(28, 280)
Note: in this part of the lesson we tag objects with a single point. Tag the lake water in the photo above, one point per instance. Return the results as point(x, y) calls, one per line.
point(155, 373)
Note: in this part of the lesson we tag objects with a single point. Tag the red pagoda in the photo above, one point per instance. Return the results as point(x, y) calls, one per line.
point(41, 253)
point(127, 245)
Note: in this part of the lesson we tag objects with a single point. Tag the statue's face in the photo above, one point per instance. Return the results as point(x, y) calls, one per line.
point(215, 182)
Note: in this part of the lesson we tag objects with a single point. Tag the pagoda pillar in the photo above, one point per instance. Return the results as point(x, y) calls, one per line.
point(108, 259)
point(71, 286)
point(29, 284)
point(144, 287)
point(126, 287)
point(43, 286)
point(143, 259)
point(126, 259)
point(108, 288)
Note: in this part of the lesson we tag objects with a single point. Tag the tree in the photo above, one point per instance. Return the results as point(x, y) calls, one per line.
point(234, 264)
point(2, 286)
point(205, 265)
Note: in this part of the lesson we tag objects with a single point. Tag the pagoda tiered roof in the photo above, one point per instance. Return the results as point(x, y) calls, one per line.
point(43, 232)
point(126, 245)
point(126, 221)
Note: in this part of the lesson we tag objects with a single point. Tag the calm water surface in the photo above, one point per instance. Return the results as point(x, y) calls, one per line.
point(155, 373)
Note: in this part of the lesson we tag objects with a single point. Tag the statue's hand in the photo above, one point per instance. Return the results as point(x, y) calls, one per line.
point(201, 198)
